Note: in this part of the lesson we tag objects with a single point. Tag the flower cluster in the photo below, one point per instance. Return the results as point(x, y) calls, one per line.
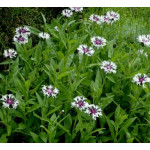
point(98, 41)
point(77, 9)
point(11, 53)
point(21, 35)
point(108, 67)
point(84, 49)
point(96, 18)
point(50, 91)
point(144, 39)
point(44, 35)
point(69, 12)
point(9, 101)
point(141, 79)
point(90, 109)
point(109, 18)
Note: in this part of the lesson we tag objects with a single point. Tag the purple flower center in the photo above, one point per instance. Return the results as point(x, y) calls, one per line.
point(93, 111)
point(108, 67)
point(144, 40)
point(113, 15)
point(95, 18)
point(9, 54)
point(9, 101)
point(49, 91)
point(76, 8)
point(20, 39)
point(80, 103)
point(85, 50)
point(22, 31)
point(106, 19)
point(98, 42)
point(141, 79)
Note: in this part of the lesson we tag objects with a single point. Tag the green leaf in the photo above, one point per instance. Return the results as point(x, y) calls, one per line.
point(43, 136)
point(111, 79)
point(33, 108)
point(35, 137)
point(44, 19)
point(128, 123)
point(34, 30)
point(111, 127)
point(3, 138)
point(39, 99)
point(55, 109)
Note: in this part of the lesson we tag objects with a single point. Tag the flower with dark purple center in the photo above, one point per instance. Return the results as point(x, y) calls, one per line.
point(77, 9)
point(21, 39)
point(111, 17)
point(9, 101)
point(67, 13)
point(94, 111)
point(144, 39)
point(96, 18)
point(141, 79)
point(98, 41)
point(25, 31)
point(22, 31)
point(108, 67)
point(84, 49)
point(79, 102)
point(11, 53)
point(50, 91)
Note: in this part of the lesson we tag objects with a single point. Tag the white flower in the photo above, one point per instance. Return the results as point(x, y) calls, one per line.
point(9, 101)
point(141, 79)
point(94, 111)
point(11, 53)
point(84, 49)
point(145, 39)
point(50, 91)
point(77, 9)
point(21, 39)
point(67, 13)
point(44, 35)
point(141, 52)
point(108, 67)
point(98, 41)
point(79, 102)
point(113, 16)
point(107, 19)
point(56, 28)
point(96, 18)
point(23, 31)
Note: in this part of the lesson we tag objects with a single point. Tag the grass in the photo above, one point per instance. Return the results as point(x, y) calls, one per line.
point(125, 105)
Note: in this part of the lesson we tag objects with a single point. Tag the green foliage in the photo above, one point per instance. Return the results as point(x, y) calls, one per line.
point(39, 119)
